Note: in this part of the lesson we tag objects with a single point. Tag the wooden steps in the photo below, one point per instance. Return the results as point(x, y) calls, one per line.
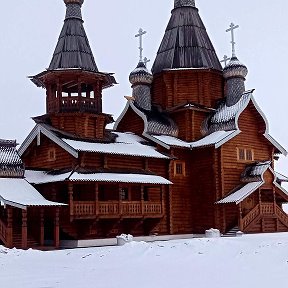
point(232, 232)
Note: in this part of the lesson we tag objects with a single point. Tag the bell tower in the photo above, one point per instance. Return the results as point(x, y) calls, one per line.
point(73, 82)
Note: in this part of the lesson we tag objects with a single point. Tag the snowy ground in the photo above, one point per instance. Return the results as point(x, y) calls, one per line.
point(249, 261)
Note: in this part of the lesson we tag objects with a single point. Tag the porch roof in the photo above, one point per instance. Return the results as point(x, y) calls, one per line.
point(42, 177)
point(241, 193)
point(19, 193)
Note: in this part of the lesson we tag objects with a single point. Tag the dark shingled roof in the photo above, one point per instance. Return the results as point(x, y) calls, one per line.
point(11, 164)
point(73, 49)
point(186, 43)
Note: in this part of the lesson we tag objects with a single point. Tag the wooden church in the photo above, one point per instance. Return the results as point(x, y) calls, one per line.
point(191, 150)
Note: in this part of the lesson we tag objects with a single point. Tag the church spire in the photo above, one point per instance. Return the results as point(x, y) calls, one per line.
point(181, 3)
point(186, 43)
point(73, 48)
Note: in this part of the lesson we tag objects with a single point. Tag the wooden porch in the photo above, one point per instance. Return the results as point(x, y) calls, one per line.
point(115, 202)
point(266, 217)
point(15, 230)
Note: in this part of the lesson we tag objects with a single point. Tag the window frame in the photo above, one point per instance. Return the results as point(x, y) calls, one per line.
point(183, 169)
point(242, 154)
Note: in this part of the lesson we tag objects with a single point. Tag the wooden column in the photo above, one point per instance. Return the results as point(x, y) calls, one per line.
point(274, 201)
point(9, 235)
point(56, 229)
point(120, 200)
point(71, 201)
point(53, 192)
point(97, 207)
point(162, 199)
point(24, 229)
point(42, 231)
point(142, 201)
point(240, 218)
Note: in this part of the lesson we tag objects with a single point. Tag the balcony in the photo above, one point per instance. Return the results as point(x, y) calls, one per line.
point(114, 210)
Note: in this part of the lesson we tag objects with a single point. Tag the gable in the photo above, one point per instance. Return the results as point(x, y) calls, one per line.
point(47, 155)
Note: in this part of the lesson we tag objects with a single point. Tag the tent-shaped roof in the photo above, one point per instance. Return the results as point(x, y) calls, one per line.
point(73, 49)
point(186, 43)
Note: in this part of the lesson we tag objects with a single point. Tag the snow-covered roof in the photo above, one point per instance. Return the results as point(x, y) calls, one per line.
point(215, 139)
point(255, 171)
point(281, 177)
point(242, 193)
point(40, 177)
point(19, 193)
point(127, 144)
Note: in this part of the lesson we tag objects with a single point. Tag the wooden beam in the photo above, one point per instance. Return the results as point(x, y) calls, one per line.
point(24, 229)
point(42, 229)
point(56, 229)
point(9, 235)
point(71, 202)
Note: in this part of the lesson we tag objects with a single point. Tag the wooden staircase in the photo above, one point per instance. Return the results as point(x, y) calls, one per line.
point(264, 211)
point(232, 232)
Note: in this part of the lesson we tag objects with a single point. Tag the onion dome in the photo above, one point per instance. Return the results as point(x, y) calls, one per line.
point(235, 69)
point(140, 75)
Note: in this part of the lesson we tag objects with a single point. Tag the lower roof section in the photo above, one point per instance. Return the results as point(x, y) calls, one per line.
point(41, 177)
point(215, 139)
point(20, 194)
point(241, 193)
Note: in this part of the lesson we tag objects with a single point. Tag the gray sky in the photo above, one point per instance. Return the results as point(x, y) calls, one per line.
point(30, 29)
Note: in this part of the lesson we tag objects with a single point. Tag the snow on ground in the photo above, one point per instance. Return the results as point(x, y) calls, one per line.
point(248, 261)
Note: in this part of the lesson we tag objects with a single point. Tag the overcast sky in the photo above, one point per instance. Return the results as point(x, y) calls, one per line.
point(30, 29)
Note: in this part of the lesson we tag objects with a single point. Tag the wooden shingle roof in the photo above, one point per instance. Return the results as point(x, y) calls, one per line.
point(186, 43)
point(73, 49)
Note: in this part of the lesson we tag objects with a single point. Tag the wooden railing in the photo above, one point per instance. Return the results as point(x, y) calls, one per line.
point(267, 209)
point(3, 232)
point(282, 215)
point(250, 217)
point(84, 208)
point(110, 208)
point(135, 208)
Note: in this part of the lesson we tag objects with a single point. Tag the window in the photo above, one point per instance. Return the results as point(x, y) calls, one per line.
point(123, 193)
point(179, 168)
point(245, 154)
point(51, 154)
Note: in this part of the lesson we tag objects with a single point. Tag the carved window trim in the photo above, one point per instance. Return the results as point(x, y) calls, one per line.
point(245, 154)
point(179, 169)
point(52, 154)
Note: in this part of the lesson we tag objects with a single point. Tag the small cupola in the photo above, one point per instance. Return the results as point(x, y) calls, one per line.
point(234, 74)
point(73, 81)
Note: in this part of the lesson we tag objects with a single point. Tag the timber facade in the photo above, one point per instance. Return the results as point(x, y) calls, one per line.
point(190, 151)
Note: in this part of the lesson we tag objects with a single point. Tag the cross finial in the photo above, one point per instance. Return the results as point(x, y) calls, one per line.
point(225, 60)
point(231, 29)
point(146, 60)
point(140, 34)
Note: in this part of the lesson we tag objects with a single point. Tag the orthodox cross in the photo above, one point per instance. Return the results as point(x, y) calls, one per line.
point(146, 60)
point(140, 34)
point(225, 60)
point(231, 29)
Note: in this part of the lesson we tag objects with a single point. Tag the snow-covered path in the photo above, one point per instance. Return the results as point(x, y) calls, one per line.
point(250, 261)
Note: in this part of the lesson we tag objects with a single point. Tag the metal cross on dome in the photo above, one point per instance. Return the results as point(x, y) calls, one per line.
point(231, 29)
point(225, 60)
point(140, 34)
point(146, 60)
